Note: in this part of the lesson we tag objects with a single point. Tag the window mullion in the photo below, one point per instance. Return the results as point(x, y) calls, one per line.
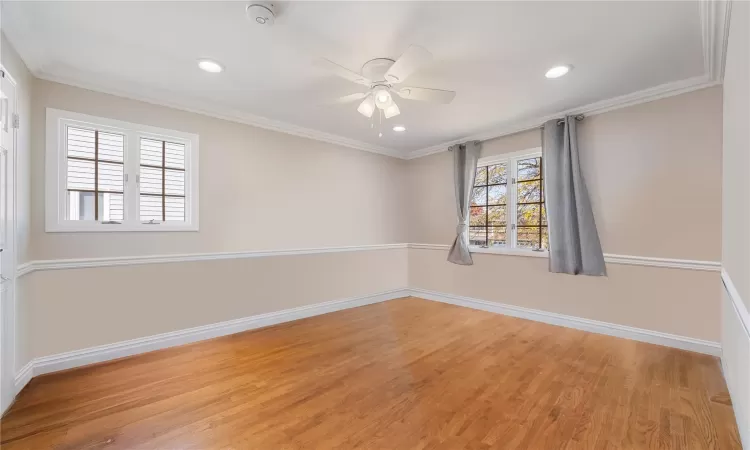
point(96, 176)
point(487, 209)
point(512, 215)
point(131, 188)
point(541, 199)
point(163, 181)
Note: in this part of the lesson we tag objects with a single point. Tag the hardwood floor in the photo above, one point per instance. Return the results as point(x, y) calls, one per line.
point(405, 374)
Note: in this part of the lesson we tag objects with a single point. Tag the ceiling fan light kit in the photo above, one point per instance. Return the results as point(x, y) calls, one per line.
point(382, 97)
point(391, 111)
point(380, 75)
point(367, 107)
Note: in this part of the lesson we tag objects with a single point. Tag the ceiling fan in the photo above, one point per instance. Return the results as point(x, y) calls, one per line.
point(382, 76)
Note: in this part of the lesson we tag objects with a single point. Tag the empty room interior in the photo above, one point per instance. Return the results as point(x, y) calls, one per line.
point(375, 225)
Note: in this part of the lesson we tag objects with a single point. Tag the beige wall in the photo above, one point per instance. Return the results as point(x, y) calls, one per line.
point(80, 308)
point(654, 176)
point(680, 302)
point(736, 192)
point(653, 172)
point(259, 189)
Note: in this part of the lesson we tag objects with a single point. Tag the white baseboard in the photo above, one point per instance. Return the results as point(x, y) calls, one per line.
point(735, 358)
point(24, 376)
point(77, 358)
point(594, 326)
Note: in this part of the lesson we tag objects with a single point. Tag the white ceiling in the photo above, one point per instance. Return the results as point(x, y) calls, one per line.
point(494, 54)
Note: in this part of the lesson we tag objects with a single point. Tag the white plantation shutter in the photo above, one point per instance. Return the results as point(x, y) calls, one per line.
point(109, 175)
point(162, 181)
point(95, 169)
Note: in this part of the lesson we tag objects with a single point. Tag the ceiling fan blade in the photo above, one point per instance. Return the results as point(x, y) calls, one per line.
point(342, 72)
point(413, 58)
point(427, 95)
point(349, 98)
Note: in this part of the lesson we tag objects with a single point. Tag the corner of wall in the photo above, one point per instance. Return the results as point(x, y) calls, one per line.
point(736, 217)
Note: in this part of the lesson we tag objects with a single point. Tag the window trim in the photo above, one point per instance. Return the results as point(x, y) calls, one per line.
point(511, 232)
point(56, 174)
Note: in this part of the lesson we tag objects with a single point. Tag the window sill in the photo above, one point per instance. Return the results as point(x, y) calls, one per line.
point(99, 228)
point(510, 251)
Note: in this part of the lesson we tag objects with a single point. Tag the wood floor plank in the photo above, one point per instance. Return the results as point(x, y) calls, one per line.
point(404, 374)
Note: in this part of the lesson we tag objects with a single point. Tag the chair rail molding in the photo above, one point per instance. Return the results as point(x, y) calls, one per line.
point(649, 261)
point(80, 263)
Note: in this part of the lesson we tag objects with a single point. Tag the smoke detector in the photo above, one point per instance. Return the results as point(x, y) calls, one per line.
point(261, 13)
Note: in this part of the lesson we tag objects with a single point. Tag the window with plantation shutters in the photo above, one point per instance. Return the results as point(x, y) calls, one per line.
point(117, 176)
point(508, 203)
point(162, 181)
point(95, 169)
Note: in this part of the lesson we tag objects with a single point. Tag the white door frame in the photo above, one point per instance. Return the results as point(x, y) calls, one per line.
point(9, 260)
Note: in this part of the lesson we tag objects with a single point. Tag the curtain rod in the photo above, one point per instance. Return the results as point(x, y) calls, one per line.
point(578, 117)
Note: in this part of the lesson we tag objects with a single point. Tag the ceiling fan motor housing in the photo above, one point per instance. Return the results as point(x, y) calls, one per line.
point(375, 69)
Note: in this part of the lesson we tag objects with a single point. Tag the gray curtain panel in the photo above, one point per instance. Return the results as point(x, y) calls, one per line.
point(465, 157)
point(573, 239)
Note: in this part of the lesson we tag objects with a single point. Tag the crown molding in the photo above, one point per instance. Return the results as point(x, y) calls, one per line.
point(623, 101)
point(714, 16)
point(228, 114)
point(714, 19)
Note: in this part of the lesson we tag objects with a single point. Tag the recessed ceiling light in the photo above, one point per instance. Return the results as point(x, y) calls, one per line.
point(399, 128)
point(210, 66)
point(558, 71)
